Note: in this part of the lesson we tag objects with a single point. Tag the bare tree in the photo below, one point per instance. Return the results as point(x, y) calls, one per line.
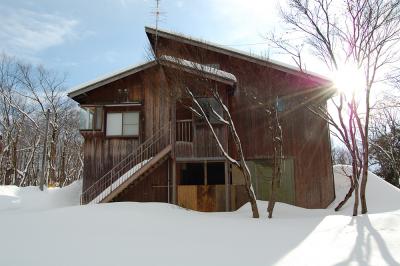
point(269, 105)
point(340, 155)
point(361, 33)
point(184, 88)
point(385, 144)
point(277, 140)
point(240, 162)
point(25, 94)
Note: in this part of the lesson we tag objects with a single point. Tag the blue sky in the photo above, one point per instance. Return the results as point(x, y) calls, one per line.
point(87, 39)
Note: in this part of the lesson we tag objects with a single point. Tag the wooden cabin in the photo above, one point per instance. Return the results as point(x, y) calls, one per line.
point(143, 143)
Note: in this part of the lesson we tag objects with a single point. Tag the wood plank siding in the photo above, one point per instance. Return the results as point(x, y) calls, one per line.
point(146, 88)
point(305, 136)
point(158, 92)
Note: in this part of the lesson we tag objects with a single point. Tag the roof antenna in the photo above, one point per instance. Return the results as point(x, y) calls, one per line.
point(157, 13)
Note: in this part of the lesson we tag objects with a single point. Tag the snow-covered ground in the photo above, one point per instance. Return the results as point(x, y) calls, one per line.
point(36, 228)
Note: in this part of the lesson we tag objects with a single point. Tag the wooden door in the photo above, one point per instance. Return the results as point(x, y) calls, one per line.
point(261, 171)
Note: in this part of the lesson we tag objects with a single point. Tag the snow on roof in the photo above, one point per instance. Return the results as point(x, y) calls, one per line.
point(238, 53)
point(85, 87)
point(199, 67)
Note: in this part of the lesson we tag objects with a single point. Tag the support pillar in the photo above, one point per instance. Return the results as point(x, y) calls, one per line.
point(227, 188)
point(174, 201)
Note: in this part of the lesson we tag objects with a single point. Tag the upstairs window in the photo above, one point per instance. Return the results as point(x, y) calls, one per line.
point(208, 105)
point(91, 118)
point(123, 124)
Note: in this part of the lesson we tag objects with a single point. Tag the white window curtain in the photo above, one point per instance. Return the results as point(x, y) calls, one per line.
point(123, 124)
point(114, 124)
point(130, 124)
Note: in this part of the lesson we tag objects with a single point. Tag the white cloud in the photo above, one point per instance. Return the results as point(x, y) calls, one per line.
point(25, 33)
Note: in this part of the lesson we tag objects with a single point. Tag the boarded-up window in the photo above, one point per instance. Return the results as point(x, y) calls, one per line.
point(123, 124)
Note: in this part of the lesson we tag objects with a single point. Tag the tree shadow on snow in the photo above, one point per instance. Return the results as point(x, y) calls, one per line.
point(366, 235)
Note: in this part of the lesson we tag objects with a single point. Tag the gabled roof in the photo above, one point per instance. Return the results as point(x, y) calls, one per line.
point(91, 85)
point(235, 53)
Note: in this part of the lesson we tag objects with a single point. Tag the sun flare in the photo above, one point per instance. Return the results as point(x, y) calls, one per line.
point(349, 80)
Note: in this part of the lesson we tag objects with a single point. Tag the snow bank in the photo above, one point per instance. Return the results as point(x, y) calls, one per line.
point(381, 196)
point(13, 198)
point(161, 234)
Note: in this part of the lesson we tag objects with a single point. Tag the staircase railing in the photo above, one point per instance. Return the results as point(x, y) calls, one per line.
point(128, 166)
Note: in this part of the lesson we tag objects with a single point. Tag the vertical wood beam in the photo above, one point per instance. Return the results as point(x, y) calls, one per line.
point(168, 181)
point(205, 173)
point(174, 182)
point(227, 188)
point(173, 153)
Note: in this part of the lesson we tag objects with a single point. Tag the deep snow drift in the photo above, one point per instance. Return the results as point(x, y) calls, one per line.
point(13, 198)
point(38, 230)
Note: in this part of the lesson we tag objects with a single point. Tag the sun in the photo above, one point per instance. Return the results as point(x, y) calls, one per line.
point(349, 80)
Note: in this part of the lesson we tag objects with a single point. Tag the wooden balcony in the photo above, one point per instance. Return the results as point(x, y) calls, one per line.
point(194, 139)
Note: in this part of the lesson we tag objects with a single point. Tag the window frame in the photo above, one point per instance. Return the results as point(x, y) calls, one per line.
point(211, 116)
point(97, 115)
point(122, 124)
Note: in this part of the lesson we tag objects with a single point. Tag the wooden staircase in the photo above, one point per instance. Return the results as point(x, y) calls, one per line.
point(140, 163)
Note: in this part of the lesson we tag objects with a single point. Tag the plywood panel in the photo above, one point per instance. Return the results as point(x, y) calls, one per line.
point(206, 198)
point(187, 197)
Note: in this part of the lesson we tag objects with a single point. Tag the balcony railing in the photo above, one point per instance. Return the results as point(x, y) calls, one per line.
point(184, 130)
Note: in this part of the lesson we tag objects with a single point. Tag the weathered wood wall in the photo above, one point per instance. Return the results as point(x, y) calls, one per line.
point(151, 188)
point(203, 144)
point(147, 87)
point(306, 137)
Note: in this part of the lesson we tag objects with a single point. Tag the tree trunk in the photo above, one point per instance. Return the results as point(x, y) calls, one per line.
point(363, 187)
point(364, 179)
point(250, 194)
point(346, 198)
point(271, 202)
point(356, 193)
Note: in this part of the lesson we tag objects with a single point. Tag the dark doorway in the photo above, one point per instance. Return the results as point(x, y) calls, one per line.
point(215, 173)
point(192, 174)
